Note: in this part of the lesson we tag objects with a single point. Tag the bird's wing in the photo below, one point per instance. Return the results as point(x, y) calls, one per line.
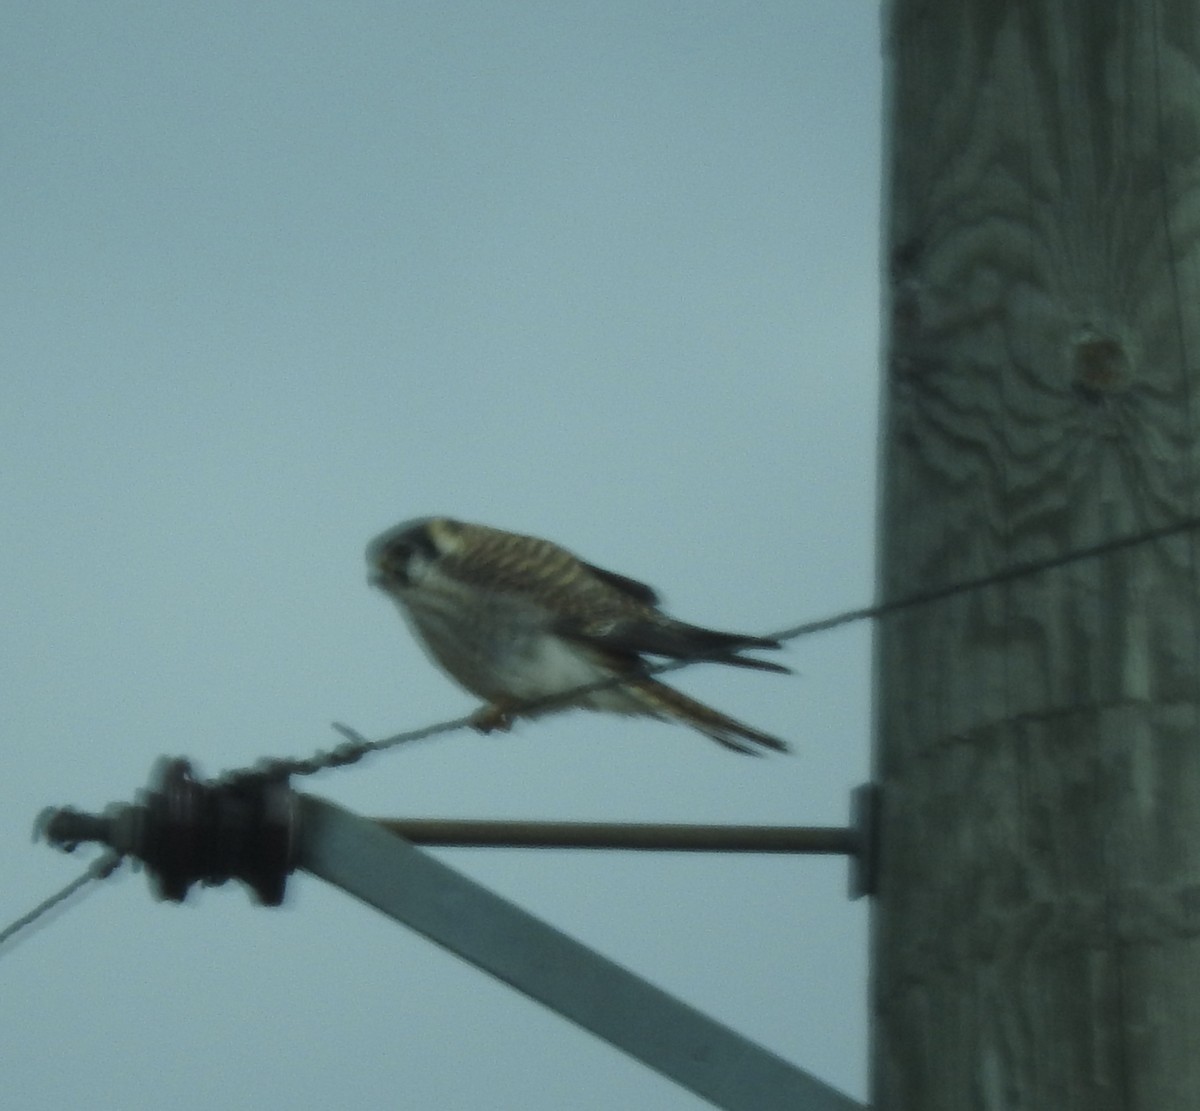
point(609, 612)
point(546, 574)
point(638, 591)
point(654, 635)
point(509, 563)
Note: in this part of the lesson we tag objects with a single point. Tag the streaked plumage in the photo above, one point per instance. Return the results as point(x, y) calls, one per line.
point(519, 620)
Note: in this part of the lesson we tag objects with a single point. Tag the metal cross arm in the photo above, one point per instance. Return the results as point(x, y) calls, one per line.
point(189, 831)
point(856, 841)
point(637, 836)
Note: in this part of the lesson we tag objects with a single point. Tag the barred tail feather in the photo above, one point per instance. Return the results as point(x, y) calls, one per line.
point(666, 702)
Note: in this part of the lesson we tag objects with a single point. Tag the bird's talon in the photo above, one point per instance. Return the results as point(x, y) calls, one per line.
point(491, 719)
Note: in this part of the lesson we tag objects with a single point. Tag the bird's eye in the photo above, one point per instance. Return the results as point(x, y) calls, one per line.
point(395, 560)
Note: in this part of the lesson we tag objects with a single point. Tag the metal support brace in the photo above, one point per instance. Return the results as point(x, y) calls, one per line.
point(677, 1040)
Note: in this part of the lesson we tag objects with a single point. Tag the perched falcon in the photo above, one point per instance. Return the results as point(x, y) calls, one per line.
point(521, 622)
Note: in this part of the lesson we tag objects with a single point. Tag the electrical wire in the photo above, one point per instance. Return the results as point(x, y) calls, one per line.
point(357, 746)
point(101, 868)
point(1015, 571)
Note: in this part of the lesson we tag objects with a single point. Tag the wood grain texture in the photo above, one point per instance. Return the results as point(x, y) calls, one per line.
point(1037, 936)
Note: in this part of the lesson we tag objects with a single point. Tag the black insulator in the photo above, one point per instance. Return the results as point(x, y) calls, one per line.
point(190, 831)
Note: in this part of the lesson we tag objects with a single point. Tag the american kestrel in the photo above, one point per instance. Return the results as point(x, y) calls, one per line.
point(520, 621)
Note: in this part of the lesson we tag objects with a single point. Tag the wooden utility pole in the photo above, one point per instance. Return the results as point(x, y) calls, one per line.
point(1037, 938)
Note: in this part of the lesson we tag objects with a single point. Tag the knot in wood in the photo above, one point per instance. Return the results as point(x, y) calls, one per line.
point(1101, 366)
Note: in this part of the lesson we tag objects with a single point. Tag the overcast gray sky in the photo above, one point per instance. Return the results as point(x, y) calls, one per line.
point(279, 276)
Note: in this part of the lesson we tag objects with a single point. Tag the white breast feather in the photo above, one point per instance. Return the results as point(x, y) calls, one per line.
point(503, 650)
point(556, 666)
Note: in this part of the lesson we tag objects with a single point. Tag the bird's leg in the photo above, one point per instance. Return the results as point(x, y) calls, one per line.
point(494, 716)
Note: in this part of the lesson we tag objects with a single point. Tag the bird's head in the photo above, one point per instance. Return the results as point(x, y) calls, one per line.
point(400, 557)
